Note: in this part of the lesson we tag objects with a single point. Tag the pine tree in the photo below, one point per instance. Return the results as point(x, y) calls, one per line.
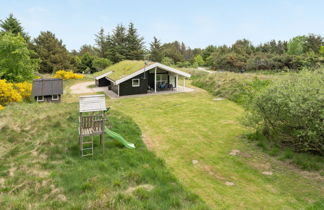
point(117, 49)
point(101, 43)
point(87, 49)
point(155, 50)
point(134, 43)
point(53, 54)
point(12, 25)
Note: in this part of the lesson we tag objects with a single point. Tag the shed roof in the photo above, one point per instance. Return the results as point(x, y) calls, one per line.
point(44, 87)
point(103, 75)
point(92, 103)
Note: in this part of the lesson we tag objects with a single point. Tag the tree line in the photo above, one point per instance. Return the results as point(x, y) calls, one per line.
point(20, 55)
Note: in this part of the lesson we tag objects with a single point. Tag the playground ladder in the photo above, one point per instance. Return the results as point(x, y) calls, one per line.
point(87, 147)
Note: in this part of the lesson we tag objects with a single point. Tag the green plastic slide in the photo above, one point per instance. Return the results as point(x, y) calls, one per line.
point(119, 138)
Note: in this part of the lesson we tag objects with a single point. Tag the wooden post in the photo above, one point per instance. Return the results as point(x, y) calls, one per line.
point(184, 83)
point(177, 83)
point(155, 79)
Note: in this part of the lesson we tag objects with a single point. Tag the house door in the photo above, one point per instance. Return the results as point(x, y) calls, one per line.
point(172, 80)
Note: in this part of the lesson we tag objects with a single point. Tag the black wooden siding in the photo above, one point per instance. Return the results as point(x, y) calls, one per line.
point(127, 89)
point(103, 82)
point(114, 88)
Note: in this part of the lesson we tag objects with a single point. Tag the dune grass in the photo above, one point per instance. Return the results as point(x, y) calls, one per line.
point(40, 166)
point(184, 127)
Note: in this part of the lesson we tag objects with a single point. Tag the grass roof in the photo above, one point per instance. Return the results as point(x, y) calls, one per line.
point(122, 69)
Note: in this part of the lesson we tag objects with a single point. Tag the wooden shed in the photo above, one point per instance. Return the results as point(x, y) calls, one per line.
point(49, 90)
point(102, 81)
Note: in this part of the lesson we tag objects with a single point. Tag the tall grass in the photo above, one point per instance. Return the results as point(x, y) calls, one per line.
point(236, 87)
point(40, 166)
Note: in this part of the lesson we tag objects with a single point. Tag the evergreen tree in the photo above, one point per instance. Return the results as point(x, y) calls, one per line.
point(155, 50)
point(53, 54)
point(134, 43)
point(86, 64)
point(16, 64)
point(117, 50)
point(313, 43)
point(173, 50)
point(12, 24)
point(87, 49)
point(101, 43)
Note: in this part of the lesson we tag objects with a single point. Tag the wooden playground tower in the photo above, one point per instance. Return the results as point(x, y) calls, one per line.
point(91, 122)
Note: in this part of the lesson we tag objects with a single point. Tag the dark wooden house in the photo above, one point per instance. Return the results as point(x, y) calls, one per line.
point(49, 90)
point(139, 77)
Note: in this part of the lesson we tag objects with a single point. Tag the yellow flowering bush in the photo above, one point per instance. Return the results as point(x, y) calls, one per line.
point(8, 93)
point(1, 107)
point(67, 75)
point(24, 89)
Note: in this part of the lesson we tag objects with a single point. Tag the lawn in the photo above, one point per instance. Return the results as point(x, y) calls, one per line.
point(187, 164)
point(192, 127)
point(40, 166)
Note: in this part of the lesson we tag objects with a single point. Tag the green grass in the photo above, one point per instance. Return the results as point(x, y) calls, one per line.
point(183, 127)
point(122, 69)
point(40, 166)
point(303, 161)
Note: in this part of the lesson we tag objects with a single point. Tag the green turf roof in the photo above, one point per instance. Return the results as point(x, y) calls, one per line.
point(123, 69)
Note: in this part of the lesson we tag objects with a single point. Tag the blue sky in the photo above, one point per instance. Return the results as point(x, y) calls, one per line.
point(197, 23)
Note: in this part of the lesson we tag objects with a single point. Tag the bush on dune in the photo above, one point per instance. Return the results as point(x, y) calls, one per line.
point(14, 92)
point(287, 109)
point(8, 93)
point(66, 75)
point(291, 113)
point(24, 89)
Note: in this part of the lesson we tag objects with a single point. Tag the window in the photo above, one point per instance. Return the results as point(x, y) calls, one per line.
point(162, 78)
point(135, 82)
point(40, 98)
point(55, 97)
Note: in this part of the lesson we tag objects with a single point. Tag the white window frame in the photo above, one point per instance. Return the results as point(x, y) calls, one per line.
point(55, 99)
point(136, 85)
point(42, 98)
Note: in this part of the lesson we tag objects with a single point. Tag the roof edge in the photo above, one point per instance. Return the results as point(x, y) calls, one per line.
point(146, 68)
point(103, 75)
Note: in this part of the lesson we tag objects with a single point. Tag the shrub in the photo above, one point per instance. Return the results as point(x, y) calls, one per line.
point(290, 112)
point(67, 75)
point(229, 61)
point(199, 60)
point(261, 61)
point(8, 93)
point(167, 61)
point(101, 63)
point(1, 107)
point(183, 64)
point(24, 89)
